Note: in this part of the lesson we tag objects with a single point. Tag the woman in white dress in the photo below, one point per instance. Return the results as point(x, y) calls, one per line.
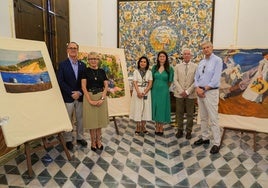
point(140, 106)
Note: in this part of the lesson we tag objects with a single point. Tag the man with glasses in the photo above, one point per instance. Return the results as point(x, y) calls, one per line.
point(185, 93)
point(69, 78)
point(207, 82)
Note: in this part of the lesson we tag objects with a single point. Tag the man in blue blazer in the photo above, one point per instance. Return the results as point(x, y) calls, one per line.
point(69, 78)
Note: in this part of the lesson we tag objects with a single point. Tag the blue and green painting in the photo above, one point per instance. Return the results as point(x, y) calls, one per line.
point(23, 71)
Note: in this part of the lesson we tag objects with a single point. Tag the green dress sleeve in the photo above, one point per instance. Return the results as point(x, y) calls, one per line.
point(171, 74)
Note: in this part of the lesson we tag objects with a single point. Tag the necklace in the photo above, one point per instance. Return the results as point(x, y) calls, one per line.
point(95, 73)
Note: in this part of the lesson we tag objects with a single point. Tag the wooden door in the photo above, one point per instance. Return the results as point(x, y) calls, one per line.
point(44, 20)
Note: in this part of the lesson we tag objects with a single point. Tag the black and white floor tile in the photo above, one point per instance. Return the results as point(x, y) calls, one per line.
point(131, 161)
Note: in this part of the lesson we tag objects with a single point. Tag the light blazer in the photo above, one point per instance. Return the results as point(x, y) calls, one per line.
point(68, 82)
point(184, 82)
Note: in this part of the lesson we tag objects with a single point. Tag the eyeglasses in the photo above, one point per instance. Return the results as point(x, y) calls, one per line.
point(92, 59)
point(203, 71)
point(72, 48)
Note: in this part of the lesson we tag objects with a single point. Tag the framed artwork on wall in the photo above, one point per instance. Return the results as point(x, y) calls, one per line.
point(147, 27)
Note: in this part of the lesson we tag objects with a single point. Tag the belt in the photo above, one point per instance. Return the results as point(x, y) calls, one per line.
point(95, 90)
point(209, 88)
point(142, 85)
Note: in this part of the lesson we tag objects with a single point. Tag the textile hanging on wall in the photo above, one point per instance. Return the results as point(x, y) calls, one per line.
point(147, 27)
point(31, 103)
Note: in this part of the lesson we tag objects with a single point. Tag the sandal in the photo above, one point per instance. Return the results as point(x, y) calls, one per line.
point(138, 128)
point(145, 132)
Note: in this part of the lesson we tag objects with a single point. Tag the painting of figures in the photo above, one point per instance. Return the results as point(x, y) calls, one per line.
point(23, 71)
point(243, 102)
point(244, 82)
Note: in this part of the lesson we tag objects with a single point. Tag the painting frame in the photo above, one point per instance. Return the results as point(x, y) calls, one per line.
point(147, 27)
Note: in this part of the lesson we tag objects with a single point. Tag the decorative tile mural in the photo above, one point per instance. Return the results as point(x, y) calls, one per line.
point(147, 27)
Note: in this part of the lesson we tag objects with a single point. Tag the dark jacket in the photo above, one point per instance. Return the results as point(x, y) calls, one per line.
point(68, 82)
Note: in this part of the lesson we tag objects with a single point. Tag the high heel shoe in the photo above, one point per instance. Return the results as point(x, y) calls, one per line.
point(160, 133)
point(93, 148)
point(99, 145)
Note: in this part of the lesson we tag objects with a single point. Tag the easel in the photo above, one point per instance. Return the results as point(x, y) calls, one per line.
point(241, 130)
point(115, 125)
point(45, 145)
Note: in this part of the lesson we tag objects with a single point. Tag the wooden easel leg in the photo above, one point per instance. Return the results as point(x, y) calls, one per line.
point(28, 158)
point(254, 141)
point(115, 124)
point(223, 134)
point(64, 146)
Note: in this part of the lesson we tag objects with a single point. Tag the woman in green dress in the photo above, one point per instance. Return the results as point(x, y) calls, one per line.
point(162, 78)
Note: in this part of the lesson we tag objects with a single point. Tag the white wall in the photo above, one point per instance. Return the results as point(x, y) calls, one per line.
point(84, 21)
point(6, 19)
point(252, 23)
point(98, 19)
point(225, 23)
point(241, 23)
point(238, 23)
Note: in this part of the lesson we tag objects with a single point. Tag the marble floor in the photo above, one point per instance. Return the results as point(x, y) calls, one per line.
point(149, 161)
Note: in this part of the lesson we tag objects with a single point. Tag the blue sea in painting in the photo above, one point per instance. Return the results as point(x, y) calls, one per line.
point(24, 78)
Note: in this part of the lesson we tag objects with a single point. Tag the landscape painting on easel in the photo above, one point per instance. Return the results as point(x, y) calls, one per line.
point(23, 71)
point(31, 102)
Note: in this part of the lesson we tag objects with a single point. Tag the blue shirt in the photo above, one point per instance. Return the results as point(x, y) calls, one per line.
point(209, 72)
point(75, 67)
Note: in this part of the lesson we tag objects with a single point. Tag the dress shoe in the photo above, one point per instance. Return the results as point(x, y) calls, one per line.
point(188, 135)
point(215, 149)
point(201, 141)
point(69, 145)
point(179, 134)
point(82, 142)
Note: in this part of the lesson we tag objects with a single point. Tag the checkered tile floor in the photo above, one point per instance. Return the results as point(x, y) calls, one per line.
point(130, 161)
